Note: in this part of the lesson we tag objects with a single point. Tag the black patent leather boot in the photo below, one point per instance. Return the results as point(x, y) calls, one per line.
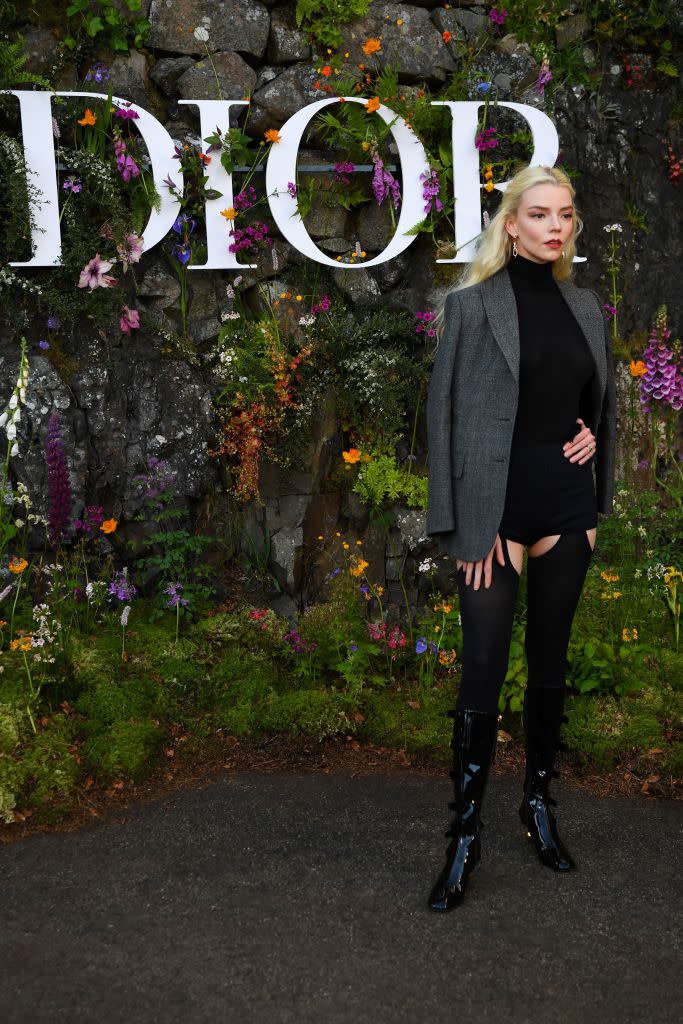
point(543, 717)
point(473, 745)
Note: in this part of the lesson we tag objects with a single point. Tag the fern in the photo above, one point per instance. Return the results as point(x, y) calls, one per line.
point(321, 18)
point(12, 60)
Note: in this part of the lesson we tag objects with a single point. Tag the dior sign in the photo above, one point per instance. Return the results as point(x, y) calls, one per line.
point(36, 125)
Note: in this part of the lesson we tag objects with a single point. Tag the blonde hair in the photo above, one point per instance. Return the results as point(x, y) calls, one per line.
point(494, 248)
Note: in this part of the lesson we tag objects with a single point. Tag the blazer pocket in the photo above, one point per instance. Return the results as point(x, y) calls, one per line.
point(459, 463)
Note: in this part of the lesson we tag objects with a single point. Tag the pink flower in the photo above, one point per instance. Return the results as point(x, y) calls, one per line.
point(94, 274)
point(130, 250)
point(130, 318)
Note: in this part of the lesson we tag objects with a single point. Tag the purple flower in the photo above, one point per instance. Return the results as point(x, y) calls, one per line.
point(485, 140)
point(73, 184)
point(484, 87)
point(364, 588)
point(610, 310)
point(430, 191)
point(184, 224)
point(663, 380)
point(353, 647)
point(159, 479)
point(98, 73)
point(248, 238)
point(497, 17)
point(544, 76)
point(59, 486)
point(421, 645)
point(172, 590)
point(121, 587)
point(94, 274)
point(424, 319)
point(245, 199)
point(125, 164)
point(182, 252)
point(342, 171)
point(92, 519)
point(322, 306)
point(292, 189)
point(52, 323)
point(384, 183)
point(127, 113)
point(43, 344)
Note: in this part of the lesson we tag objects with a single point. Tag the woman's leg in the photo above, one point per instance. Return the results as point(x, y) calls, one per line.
point(486, 617)
point(556, 571)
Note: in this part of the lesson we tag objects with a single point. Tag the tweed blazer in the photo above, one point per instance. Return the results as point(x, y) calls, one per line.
point(472, 404)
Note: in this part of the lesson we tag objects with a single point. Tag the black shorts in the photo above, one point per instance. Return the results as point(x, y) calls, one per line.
point(546, 493)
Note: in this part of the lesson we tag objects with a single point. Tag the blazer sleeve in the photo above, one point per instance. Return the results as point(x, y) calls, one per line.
point(440, 508)
point(606, 438)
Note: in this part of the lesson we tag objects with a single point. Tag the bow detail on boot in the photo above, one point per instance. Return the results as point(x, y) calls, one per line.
point(473, 745)
point(543, 717)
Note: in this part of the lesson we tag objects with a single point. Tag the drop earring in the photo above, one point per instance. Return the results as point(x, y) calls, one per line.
point(514, 247)
point(563, 254)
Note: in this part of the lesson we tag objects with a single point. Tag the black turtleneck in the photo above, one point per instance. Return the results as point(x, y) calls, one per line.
point(556, 364)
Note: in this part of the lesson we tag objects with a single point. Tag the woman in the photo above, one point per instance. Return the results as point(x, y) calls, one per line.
point(521, 408)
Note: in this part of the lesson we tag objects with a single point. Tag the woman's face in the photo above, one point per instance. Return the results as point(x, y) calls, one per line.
point(544, 222)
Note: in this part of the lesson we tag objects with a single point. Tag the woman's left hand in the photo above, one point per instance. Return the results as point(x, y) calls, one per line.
point(582, 448)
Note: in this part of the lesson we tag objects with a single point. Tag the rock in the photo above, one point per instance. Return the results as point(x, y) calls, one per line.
point(465, 25)
point(337, 246)
point(286, 43)
point(284, 96)
point(129, 77)
point(412, 524)
point(510, 44)
point(179, 25)
point(47, 59)
point(503, 83)
point(285, 556)
point(571, 29)
point(415, 47)
point(358, 285)
point(160, 287)
point(226, 76)
point(324, 221)
point(167, 71)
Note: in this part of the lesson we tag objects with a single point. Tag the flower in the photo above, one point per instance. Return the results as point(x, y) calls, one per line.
point(424, 318)
point(484, 139)
point(229, 213)
point(201, 34)
point(372, 45)
point(446, 36)
point(130, 319)
point(52, 323)
point(130, 250)
point(17, 565)
point(292, 189)
point(98, 73)
point(88, 118)
point(184, 224)
point(484, 87)
point(272, 135)
point(372, 104)
point(430, 191)
point(73, 184)
point(204, 159)
point(612, 227)
point(637, 368)
point(497, 17)
point(326, 71)
point(351, 456)
point(544, 76)
point(94, 274)
point(360, 568)
point(384, 183)
point(125, 164)
point(421, 645)
point(447, 657)
point(182, 252)
point(126, 113)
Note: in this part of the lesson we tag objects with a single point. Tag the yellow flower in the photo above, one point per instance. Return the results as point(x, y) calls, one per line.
point(88, 118)
point(365, 146)
point(447, 608)
point(320, 536)
point(399, 21)
point(229, 213)
point(360, 568)
point(17, 565)
point(353, 455)
point(447, 657)
point(637, 368)
point(272, 135)
point(616, 594)
point(437, 629)
point(371, 46)
point(380, 590)
point(359, 542)
point(608, 577)
point(298, 298)
point(345, 546)
point(489, 186)
point(338, 534)
point(109, 525)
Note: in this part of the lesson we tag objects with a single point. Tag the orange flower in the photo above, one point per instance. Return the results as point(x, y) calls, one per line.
point(17, 565)
point(637, 368)
point(447, 36)
point(109, 525)
point(229, 213)
point(353, 455)
point(272, 135)
point(204, 158)
point(372, 104)
point(326, 71)
point(488, 175)
point(371, 46)
point(88, 117)
point(489, 186)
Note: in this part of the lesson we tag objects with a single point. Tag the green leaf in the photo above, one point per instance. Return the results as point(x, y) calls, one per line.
point(94, 26)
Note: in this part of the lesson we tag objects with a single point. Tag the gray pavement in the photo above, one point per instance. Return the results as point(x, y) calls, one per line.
point(277, 898)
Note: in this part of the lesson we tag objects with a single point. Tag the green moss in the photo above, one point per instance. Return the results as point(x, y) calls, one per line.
point(110, 701)
point(318, 713)
point(128, 748)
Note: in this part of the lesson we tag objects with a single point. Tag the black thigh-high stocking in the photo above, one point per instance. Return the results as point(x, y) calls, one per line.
point(554, 583)
point(486, 617)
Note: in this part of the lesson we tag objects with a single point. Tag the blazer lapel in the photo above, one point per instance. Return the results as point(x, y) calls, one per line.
point(501, 312)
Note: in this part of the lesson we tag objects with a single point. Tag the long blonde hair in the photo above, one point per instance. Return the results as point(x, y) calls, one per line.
point(494, 247)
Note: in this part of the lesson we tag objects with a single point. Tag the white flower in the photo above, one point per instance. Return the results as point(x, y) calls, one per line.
point(201, 34)
point(307, 320)
point(427, 566)
point(126, 611)
point(612, 227)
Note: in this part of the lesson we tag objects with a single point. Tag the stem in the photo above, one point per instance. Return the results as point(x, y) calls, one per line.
point(412, 442)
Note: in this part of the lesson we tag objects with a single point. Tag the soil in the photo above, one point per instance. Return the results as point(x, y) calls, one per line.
point(205, 764)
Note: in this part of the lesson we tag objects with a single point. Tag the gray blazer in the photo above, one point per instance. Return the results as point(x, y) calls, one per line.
point(472, 404)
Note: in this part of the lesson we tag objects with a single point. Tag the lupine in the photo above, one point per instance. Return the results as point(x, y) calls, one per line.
point(663, 379)
point(59, 485)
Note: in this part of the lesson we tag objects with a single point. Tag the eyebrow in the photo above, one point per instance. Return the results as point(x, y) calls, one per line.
point(536, 207)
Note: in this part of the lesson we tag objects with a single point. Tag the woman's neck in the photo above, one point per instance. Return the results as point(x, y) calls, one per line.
point(524, 271)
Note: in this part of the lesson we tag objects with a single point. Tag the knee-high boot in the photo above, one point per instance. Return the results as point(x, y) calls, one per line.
point(473, 745)
point(543, 717)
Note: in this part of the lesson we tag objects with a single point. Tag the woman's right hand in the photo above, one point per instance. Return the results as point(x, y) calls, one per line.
point(484, 566)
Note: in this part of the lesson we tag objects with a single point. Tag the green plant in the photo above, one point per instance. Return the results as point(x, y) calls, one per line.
point(105, 18)
point(12, 60)
point(321, 18)
point(381, 479)
point(597, 665)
